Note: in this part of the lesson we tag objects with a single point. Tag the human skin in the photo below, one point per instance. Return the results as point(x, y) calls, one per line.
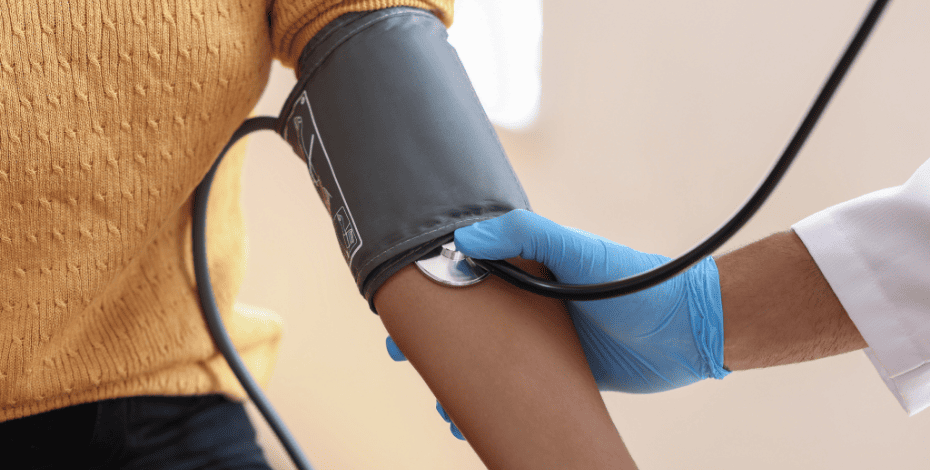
point(778, 308)
point(508, 368)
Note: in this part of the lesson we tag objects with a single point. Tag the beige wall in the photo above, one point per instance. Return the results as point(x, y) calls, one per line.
point(657, 121)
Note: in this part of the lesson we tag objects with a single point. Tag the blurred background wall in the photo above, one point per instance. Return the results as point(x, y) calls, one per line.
point(656, 121)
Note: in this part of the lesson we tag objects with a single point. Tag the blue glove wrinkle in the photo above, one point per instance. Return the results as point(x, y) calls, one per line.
point(663, 324)
point(542, 252)
point(707, 321)
point(644, 357)
point(530, 232)
point(489, 239)
point(604, 355)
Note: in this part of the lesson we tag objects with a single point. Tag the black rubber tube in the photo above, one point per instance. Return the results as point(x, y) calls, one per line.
point(208, 300)
point(503, 269)
point(645, 280)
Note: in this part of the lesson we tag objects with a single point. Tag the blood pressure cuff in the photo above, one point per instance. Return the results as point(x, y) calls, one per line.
point(398, 145)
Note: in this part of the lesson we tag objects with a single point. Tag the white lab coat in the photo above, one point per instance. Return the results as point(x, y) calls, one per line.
point(875, 253)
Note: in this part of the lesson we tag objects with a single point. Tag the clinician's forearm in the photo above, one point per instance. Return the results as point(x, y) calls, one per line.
point(778, 308)
point(508, 368)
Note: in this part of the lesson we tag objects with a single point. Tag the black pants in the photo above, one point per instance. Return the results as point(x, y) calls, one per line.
point(202, 432)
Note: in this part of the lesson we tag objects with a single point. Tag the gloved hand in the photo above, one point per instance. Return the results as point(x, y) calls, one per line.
point(664, 337)
point(398, 356)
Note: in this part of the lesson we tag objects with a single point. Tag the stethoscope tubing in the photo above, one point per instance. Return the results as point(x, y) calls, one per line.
point(664, 272)
point(502, 269)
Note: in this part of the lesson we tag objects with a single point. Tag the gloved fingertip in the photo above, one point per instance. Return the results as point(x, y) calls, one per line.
point(455, 432)
point(442, 412)
point(394, 351)
point(472, 240)
point(487, 239)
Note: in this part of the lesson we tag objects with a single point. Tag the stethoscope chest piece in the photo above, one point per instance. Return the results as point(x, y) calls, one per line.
point(451, 268)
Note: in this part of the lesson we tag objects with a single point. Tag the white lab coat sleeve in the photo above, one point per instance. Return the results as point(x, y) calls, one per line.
point(875, 253)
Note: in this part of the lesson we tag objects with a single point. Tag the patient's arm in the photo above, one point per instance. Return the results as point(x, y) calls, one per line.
point(507, 367)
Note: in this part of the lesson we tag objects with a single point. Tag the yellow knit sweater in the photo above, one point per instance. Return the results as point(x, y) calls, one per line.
point(111, 111)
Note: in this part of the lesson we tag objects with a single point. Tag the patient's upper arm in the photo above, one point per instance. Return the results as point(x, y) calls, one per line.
point(508, 368)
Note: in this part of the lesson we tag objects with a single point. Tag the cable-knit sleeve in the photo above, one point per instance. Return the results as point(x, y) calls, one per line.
point(295, 22)
point(875, 253)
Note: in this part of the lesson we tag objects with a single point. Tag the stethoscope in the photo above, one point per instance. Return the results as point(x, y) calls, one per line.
point(502, 269)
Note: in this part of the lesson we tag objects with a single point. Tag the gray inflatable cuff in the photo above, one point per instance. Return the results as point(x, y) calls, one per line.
point(398, 146)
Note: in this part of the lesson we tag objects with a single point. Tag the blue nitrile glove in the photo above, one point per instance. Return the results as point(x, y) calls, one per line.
point(664, 337)
point(398, 356)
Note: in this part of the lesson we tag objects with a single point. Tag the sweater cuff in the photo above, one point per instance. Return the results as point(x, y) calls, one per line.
point(294, 24)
